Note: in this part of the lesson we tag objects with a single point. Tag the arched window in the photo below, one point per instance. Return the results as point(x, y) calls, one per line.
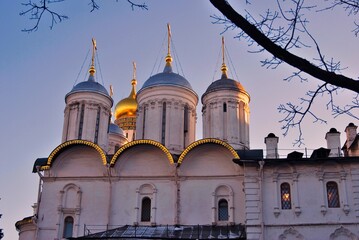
point(333, 195)
point(223, 210)
point(146, 209)
point(285, 196)
point(68, 227)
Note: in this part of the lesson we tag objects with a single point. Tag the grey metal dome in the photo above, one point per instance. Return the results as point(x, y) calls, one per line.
point(225, 84)
point(167, 78)
point(89, 86)
point(113, 128)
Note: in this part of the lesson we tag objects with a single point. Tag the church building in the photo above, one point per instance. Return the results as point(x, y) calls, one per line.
point(145, 175)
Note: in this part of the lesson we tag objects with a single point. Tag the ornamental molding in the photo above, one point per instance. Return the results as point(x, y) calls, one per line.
point(291, 233)
point(69, 143)
point(343, 232)
point(141, 142)
point(205, 141)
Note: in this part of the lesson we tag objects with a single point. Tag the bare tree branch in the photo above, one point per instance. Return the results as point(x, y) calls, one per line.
point(281, 53)
point(36, 10)
point(280, 40)
point(142, 6)
point(296, 114)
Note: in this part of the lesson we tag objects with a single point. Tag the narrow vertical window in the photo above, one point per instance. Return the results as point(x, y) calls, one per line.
point(224, 107)
point(144, 122)
point(109, 123)
point(285, 196)
point(97, 124)
point(146, 209)
point(68, 227)
point(82, 111)
point(223, 210)
point(333, 195)
point(185, 119)
point(163, 138)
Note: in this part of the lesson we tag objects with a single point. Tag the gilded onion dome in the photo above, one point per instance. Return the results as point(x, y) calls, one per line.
point(125, 110)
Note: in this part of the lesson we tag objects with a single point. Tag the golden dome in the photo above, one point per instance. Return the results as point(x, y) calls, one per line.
point(127, 107)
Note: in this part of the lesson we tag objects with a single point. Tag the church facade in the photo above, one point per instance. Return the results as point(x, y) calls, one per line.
point(147, 169)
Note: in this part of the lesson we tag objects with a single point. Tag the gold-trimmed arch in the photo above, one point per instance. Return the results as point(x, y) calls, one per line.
point(204, 141)
point(142, 141)
point(66, 144)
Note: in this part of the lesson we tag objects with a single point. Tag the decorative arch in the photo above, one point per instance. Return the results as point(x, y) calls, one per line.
point(65, 191)
point(205, 141)
point(291, 233)
point(143, 142)
point(343, 232)
point(69, 143)
point(225, 187)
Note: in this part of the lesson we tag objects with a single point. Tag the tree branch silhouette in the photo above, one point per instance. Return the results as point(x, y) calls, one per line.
point(36, 10)
point(279, 41)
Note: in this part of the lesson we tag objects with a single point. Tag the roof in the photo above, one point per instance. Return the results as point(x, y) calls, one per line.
point(225, 83)
point(319, 156)
point(113, 128)
point(167, 78)
point(172, 232)
point(24, 221)
point(89, 86)
point(39, 163)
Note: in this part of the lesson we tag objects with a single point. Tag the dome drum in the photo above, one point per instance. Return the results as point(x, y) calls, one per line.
point(126, 123)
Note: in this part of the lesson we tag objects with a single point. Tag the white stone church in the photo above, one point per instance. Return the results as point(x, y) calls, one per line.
point(145, 176)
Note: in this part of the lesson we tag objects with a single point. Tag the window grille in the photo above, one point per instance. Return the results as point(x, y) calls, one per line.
point(146, 210)
point(222, 210)
point(285, 196)
point(333, 195)
point(68, 227)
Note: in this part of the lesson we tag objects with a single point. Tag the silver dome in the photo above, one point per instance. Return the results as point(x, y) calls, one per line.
point(113, 128)
point(167, 78)
point(225, 84)
point(89, 86)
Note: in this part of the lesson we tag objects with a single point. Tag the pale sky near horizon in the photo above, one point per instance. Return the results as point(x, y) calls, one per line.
point(37, 70)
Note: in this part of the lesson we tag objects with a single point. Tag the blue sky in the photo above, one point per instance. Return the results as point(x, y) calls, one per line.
point(38, 69)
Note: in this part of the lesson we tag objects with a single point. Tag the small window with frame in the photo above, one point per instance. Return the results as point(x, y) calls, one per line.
point(286, 201)
point(146, 209)
point(333, 195)
point(223, 210)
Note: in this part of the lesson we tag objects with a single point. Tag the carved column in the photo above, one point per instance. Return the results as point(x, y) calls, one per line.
point(344, 194)
point(295, 194)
